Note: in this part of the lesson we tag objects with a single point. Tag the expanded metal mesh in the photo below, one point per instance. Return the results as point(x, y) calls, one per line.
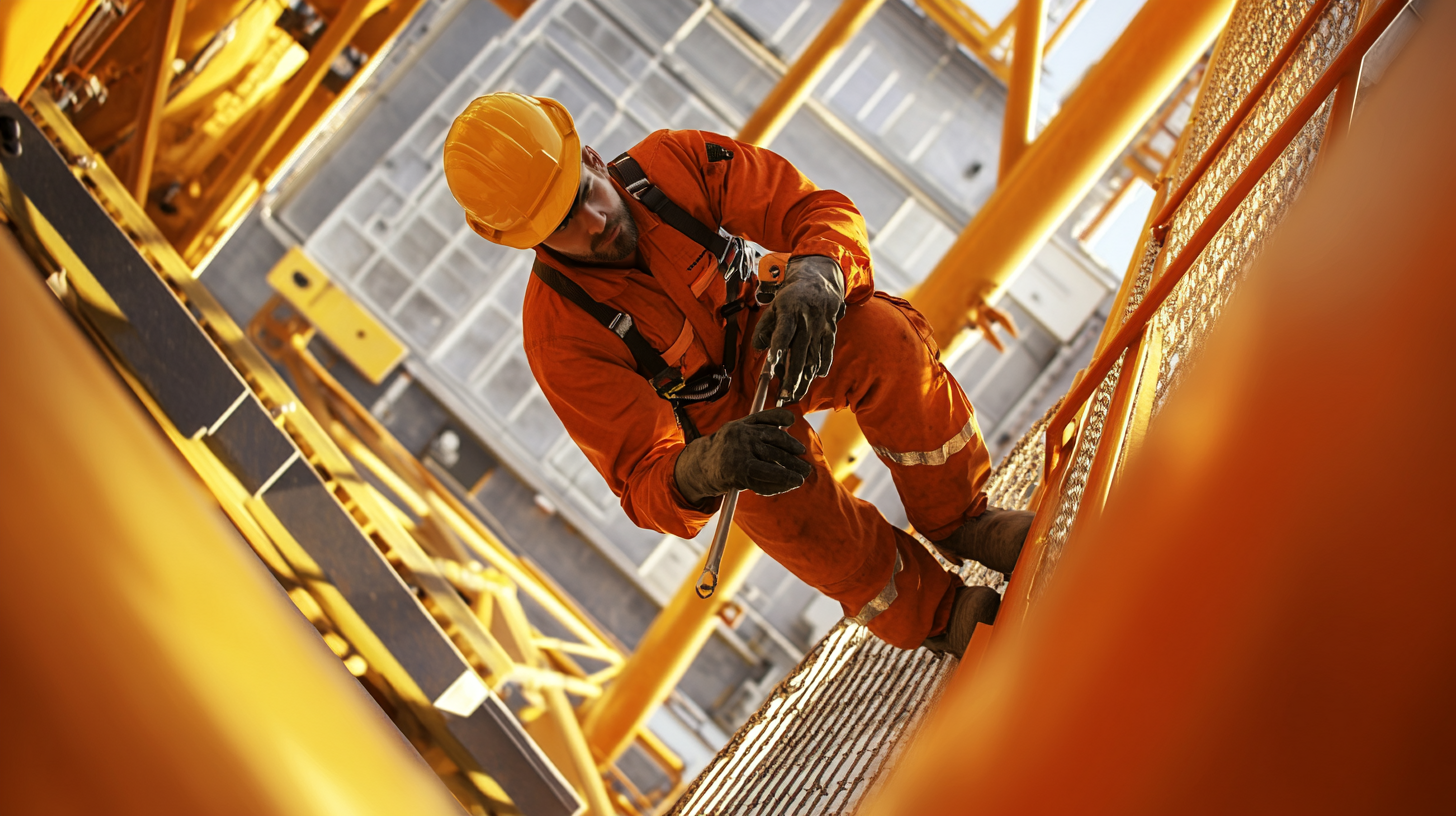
point(826, 733)
point(1013, 482)
point(1257, 31)
point(1075, 482)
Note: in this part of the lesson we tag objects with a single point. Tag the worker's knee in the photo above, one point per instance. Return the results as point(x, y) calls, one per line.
point(883, 331)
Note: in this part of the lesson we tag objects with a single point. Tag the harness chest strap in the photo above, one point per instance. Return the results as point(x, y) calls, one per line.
point(665, 379)
point(628, 173)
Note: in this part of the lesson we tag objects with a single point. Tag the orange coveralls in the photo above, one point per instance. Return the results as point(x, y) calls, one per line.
point(886, 369)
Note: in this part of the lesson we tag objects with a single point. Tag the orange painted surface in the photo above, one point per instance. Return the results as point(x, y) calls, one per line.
point(1263, 620)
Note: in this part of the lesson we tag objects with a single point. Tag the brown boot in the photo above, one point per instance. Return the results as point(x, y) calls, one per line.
point(993, 538)
point(972, 605)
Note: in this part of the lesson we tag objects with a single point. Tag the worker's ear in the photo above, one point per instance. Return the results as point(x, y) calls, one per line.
point(592, 159)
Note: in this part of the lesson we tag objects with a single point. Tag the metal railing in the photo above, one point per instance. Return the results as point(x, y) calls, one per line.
point(1096, 425)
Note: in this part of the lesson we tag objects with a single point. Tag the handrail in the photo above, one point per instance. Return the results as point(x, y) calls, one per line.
point(1236, 120)
point(1159, 292)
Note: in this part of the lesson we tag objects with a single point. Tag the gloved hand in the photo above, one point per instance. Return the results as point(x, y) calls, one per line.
point(801, 322)
point(753, 453)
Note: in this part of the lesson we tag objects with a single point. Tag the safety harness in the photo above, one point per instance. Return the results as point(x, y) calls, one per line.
point(736, 260)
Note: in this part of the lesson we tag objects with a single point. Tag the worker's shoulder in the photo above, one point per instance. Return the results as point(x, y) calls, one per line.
point(665, 150)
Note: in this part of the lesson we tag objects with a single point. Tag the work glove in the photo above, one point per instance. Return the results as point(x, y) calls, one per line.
point(754, 453)
point(801, 322)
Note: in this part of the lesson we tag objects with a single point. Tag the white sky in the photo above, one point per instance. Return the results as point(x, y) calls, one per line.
point(1104, 20)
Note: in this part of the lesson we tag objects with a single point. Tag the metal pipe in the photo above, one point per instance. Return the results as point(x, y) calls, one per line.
point(1020, 120)
point(1106, 111)
point(794, 87)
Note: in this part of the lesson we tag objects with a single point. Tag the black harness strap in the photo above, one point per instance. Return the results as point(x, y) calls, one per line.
point(628, 173)
point(667, 380)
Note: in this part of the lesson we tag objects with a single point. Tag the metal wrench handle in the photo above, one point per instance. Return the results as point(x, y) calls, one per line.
point(708, 581)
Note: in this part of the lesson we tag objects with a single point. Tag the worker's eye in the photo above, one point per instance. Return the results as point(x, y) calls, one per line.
point(581, 192)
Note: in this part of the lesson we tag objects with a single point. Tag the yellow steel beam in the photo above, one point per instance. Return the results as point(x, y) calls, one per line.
point(1097, 121)
point(1020, 119)
point(1065, 27)
point(238, 175)
point(1106, 111)
point(218, 696)
point(664, 654)
point(951, 15)
point(154, 99)
point(998, 34)
point(784, 100)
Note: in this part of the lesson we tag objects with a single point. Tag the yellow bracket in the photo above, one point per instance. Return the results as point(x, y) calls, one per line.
point(349, 327)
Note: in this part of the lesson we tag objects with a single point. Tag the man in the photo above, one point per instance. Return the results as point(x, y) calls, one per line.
point(643, 350)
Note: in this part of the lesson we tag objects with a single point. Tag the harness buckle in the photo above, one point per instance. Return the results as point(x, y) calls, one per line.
point(668, 382)
point(621, 324)
point(635, 188)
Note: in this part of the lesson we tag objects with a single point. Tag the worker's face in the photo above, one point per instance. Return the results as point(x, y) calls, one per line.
point(599, 228)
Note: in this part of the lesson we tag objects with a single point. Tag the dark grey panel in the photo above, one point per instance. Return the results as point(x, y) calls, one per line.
point(464, 37)
point(250, 444)
point(162, 344)
point(238, 275)
point(492, 736)
point(352, 563)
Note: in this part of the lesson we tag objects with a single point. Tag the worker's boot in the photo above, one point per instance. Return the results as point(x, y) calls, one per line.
point(972, 605)
point(993, 538)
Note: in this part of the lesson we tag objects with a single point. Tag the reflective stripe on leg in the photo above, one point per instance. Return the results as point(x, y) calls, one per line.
point(938, 456)
point(882, 601)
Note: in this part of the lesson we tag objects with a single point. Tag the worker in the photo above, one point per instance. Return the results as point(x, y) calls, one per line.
point(643, 328)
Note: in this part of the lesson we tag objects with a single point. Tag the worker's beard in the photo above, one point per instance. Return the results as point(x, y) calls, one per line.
point(621, 247)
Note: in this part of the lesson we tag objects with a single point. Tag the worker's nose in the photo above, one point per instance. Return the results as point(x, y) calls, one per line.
point(597, 217)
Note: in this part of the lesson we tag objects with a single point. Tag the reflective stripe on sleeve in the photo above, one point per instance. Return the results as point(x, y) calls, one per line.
point(931, 457)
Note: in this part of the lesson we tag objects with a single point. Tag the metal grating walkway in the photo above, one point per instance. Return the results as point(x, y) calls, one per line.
point(826, 733)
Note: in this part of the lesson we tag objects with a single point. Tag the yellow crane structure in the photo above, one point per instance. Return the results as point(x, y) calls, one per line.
point(237, 590)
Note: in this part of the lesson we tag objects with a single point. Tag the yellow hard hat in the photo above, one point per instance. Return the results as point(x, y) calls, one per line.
point(514, 163)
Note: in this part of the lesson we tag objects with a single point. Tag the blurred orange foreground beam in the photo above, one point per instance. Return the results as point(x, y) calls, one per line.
point(1264, 621)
